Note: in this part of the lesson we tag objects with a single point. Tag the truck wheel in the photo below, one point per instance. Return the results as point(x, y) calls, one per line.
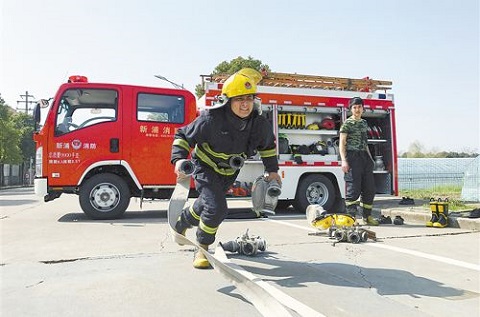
point(315, 189)
point(104, 196)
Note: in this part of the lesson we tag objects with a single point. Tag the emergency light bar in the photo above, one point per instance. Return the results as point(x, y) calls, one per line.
point(77, 79)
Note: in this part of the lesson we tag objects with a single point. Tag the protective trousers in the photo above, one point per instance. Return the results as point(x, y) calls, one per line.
point(360, 181)
point(210, 208)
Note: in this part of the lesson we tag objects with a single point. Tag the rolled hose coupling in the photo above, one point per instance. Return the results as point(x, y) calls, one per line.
point(187, 167)
point(274, 189)
point(236, 162)
point(349, 234)
point(265, 195)
point(246, 244)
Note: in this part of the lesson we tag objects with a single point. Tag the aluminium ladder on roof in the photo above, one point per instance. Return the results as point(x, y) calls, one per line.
point(312, 81)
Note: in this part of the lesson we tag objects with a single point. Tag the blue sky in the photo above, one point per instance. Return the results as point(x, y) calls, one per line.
point(429, 49)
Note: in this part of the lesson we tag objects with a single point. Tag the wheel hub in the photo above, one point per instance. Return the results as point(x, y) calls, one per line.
point(315, 193)
point(105, 197)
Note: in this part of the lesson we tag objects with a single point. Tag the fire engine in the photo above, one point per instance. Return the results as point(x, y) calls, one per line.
point(306, 112)
point(110, 142)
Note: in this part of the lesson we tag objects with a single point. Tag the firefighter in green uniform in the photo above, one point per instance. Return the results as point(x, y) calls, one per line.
point(357, 163)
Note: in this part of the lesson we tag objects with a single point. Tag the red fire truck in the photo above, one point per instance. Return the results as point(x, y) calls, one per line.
point(306, 112)
point(110, 142)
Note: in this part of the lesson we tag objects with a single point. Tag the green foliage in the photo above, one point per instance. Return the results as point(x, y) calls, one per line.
point(233, 66)
point(238, 63)
point(24, 125)
point(16, 143)
point(450, 192)
point(10, 137)
point(417, 150)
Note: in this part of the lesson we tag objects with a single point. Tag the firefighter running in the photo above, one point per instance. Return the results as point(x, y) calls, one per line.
point(357, 163)
point(221, 138)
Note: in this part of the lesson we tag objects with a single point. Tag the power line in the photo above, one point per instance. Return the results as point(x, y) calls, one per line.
point(26, 101)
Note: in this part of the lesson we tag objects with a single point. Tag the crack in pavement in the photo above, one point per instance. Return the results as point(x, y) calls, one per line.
point(96, 258)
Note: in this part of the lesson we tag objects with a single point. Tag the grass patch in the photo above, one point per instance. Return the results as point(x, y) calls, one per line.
point(450, 192)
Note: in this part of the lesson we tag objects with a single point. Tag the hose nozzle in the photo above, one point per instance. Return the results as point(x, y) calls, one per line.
point(236, 162)
point(187, 167)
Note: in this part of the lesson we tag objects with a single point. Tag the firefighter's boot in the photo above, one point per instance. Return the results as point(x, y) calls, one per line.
point(442, 207)
point(368, 218)
point(434, 218)
point(352, 210)
point(181, 226)
point(442, 221)
point(200, 261)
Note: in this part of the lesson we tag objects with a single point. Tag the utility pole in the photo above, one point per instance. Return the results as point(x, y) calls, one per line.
point(26, 101)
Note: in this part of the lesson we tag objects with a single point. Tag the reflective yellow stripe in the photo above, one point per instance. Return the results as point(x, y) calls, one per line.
point(350, 203)
point(219, 155)
point(204, 158)
point(367, 206)
point(181, 143)
point(193, 213)
point(267, 153)
point(207, 229)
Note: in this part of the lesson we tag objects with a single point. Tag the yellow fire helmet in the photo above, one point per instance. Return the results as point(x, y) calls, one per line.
point(243, 82)
point(319, 218)
point(334, 220)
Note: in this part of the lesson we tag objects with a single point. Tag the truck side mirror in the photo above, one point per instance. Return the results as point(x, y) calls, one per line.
point(36, 116)
point(42, 103)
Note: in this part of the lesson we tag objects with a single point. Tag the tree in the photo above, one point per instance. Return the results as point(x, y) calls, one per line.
point(233, 66)
point(24, 125)
point(10, 136)
point(417, 150)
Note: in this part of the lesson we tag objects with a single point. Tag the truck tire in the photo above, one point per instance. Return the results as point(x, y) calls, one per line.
point(314, 189)
point(104, 196)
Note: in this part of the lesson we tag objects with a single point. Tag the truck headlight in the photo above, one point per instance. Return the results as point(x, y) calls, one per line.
point(38, 161)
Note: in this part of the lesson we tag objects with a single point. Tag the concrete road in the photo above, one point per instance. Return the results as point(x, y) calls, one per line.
point(56, 262)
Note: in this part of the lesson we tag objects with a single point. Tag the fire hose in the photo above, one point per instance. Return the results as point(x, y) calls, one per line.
point(268, 300)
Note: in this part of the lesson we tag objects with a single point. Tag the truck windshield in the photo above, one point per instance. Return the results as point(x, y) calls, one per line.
point(79, 108)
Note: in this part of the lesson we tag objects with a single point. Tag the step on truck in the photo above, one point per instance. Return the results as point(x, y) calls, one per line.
point(109, 142)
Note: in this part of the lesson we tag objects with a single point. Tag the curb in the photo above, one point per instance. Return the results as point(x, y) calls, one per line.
point(420, 215)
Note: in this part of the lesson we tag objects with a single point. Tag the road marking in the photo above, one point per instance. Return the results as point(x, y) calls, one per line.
point(290, 224)
point(428, 256)
point(438, 258)
point(268, 300)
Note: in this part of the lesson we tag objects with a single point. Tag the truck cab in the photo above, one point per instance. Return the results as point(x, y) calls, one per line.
point(108, 143)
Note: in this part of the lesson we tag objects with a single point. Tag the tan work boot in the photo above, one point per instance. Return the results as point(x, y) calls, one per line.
point(370, 221)
point(200, 261)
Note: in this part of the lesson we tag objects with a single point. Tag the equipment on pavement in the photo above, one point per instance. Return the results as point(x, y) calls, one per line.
point(319, 218)
point(439, 209)
point(246, 244)
point(341, 227)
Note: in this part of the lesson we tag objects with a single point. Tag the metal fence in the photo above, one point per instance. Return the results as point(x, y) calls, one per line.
point(431, 173)
point(16, 175)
